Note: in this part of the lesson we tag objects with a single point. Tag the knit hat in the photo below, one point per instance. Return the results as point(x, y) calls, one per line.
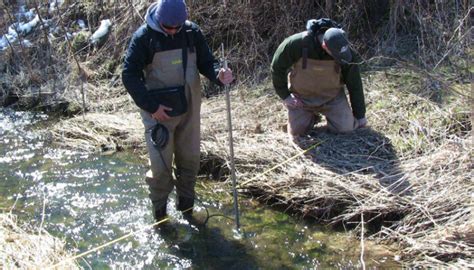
point(171, 12)
point(337, 43)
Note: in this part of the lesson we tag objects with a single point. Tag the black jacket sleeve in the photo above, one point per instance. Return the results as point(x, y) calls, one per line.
point(139, 54)
point(207, 64)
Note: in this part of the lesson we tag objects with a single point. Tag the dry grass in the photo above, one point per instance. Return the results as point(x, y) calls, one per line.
point(416, 192)
point(95, 132)
point(23, 248)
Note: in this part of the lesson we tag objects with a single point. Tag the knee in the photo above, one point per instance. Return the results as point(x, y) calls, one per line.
point(298, 129)
point(158, 177)
point(345, 130)
point(344, 127)
point(188, 166)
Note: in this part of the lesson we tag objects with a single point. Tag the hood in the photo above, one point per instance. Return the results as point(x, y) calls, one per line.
point(150, 20)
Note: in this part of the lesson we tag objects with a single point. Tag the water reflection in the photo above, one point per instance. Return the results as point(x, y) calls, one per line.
point(90, 200)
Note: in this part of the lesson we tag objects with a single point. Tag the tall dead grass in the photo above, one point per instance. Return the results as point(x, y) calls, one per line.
point(23, 248)
point(407, 179)
point(430, 34)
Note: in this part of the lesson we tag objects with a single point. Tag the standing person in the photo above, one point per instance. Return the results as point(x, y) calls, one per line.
point(309, 70)
point(161, 73)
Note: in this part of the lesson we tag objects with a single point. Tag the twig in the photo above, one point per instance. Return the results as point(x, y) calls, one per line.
point(136, 11)
point(40, 229)
point(46, 42)
point(448, 45)
point(82, 74)
point(14, 204)
point(20, 40)
point(362, 246)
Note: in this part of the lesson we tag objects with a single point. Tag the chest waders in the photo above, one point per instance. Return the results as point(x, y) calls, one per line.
point(319, 84)
point(167, 70)
point(316, 81)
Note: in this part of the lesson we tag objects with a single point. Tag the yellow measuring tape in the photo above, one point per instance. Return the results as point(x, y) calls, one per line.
point(166, 219)
point(282, 163)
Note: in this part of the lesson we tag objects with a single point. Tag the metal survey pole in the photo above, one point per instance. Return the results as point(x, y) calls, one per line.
point(231, 145)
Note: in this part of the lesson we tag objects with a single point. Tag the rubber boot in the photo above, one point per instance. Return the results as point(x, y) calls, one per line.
point(185, 205)
point(164, 228)
point(159, 212)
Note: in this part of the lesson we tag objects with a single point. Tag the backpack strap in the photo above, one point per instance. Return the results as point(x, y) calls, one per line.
point(185, 60)
point(306, 39)
point(189, 36)
point(188, 43)
point(185, 51)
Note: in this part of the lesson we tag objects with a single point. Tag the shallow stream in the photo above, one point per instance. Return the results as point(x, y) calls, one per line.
point(89, 200)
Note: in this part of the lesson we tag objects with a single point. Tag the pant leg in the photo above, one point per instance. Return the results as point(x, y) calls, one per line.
point(187, 148)
point(300, 121)
point(159, 179)
point(339, 115)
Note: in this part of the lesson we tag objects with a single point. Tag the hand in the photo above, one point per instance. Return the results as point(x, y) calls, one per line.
point(293, 102)
point(362, 122)
point(225, 76)
point(161, 114)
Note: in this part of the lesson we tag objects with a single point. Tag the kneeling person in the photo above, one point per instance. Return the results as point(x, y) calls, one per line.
point(309, 70)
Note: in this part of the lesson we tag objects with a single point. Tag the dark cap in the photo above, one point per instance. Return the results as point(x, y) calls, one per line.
point(337, 43)
point(171, 12)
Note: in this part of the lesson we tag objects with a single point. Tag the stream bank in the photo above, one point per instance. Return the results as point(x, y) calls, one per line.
point(87, 200)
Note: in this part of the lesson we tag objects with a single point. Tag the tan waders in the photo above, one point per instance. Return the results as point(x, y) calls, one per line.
point(319, 86)
point(166, 70)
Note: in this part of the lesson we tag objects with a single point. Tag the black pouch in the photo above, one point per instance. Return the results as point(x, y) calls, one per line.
point(173, 97)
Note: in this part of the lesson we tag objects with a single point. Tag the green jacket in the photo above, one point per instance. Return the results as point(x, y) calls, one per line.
point(290, 51)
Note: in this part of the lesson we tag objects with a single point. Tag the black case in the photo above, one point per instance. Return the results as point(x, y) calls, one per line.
point(173, 97)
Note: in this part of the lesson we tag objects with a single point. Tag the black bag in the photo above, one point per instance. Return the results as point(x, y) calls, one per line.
point(314, 28)
point(319, 26)
point(172, 97)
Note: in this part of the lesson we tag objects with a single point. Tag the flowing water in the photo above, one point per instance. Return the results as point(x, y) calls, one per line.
point(89, 200)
